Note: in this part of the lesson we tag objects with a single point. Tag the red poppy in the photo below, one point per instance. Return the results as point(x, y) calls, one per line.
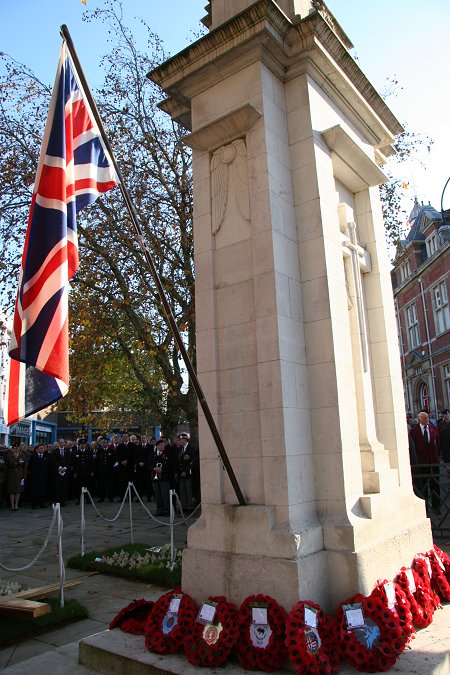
point(376, 645)
point(165, 630)
point(312, 649)
point(439, 575)
point(422, 566)
point(133, 618)
point(210, 645)
point(270, 652)
point(445, 559)
point(402, 607)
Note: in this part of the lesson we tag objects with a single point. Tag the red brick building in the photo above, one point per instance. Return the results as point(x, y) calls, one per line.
point(420, 280)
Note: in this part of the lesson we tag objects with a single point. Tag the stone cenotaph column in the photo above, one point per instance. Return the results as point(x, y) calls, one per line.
point(297, 349)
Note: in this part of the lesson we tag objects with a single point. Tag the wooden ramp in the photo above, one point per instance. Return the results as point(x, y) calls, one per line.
point(25, 603)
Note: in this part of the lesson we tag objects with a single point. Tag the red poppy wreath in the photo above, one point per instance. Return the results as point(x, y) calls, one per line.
point(393, 597)
point(419, 597)
point(439, 574)
point(262, 625)
point(422, 566)
point(375, 639)
point(210, 643)
point(133, 618)
point(311, 640)
point(170, 621)
point(445, 559)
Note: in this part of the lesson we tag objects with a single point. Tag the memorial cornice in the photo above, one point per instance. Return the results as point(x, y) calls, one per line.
point(224, 130)
point(263, 33)
point(351, 165)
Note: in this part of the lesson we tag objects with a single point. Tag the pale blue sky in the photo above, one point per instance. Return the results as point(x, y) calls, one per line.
point(405, 38)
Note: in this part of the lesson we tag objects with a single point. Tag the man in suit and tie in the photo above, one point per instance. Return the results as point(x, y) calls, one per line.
point(61, 471)
point(40, 472)
point(425, 437)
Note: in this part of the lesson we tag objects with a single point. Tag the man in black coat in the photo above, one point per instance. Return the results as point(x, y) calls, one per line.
point(186, 453)
point(142, 452)
point(82, 466)
point(125, 459)
point(162, 472)
point(106, 457)
point(61, 471)
point(40, 468)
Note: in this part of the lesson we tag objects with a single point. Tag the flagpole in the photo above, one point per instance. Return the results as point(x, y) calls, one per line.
point(171, 319)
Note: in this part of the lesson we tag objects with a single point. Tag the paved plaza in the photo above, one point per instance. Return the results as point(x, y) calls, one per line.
point(57, 651)
point(23, 533)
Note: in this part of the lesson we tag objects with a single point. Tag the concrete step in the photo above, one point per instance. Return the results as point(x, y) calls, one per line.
point(117, 653)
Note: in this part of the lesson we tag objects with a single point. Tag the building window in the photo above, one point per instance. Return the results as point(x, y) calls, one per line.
point(43, 437)
point(431, 244)
point(441, 308)
point(424, 397)
point(447, 384)
point(412, 326)
point(405, 271)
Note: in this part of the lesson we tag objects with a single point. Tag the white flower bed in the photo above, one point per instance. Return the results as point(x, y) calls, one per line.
point(9, 587)
point(157, 555)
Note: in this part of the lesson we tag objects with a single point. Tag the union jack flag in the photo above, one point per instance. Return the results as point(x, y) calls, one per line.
point(74, 169)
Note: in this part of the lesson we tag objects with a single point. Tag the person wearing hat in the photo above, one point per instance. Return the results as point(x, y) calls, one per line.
point(162, 476)
point(82, 467)
point(185, 453)
point(105, 470)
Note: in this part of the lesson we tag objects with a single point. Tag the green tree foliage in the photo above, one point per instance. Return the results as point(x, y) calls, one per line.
point(117, 322)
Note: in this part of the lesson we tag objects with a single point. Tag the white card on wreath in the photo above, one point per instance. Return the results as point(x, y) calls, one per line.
point(354, 617)
point(411, 582)
point(259, 615)
point(174, 605)
point(389, 589)
point(310, 617)
point(207, 613)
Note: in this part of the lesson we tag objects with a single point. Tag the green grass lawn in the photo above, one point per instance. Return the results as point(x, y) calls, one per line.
point(14, 628)
point(155, 572)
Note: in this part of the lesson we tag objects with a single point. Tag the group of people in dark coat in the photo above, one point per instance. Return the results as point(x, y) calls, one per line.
point(429, 441)
point(58, 472)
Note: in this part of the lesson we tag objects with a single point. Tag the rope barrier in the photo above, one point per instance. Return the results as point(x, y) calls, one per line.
point(128, 493)
point(83, 522)
point(41, 550)
point(108, 520)
point(130, 505)
point(57, 518)
point(171, 519)
point(62, 569)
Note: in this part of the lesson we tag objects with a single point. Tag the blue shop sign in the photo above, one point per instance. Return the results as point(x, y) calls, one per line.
point(22, 430)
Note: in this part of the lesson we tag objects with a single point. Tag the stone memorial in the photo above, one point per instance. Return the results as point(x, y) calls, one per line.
point(297, 348)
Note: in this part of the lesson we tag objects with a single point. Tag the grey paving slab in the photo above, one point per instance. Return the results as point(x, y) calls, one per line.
point(56, 662)
point(27, 650)
point(5, 656)
point(72, 632)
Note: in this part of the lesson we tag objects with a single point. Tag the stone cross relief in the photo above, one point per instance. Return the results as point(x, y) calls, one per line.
point(360, 264)
point(229, 183)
